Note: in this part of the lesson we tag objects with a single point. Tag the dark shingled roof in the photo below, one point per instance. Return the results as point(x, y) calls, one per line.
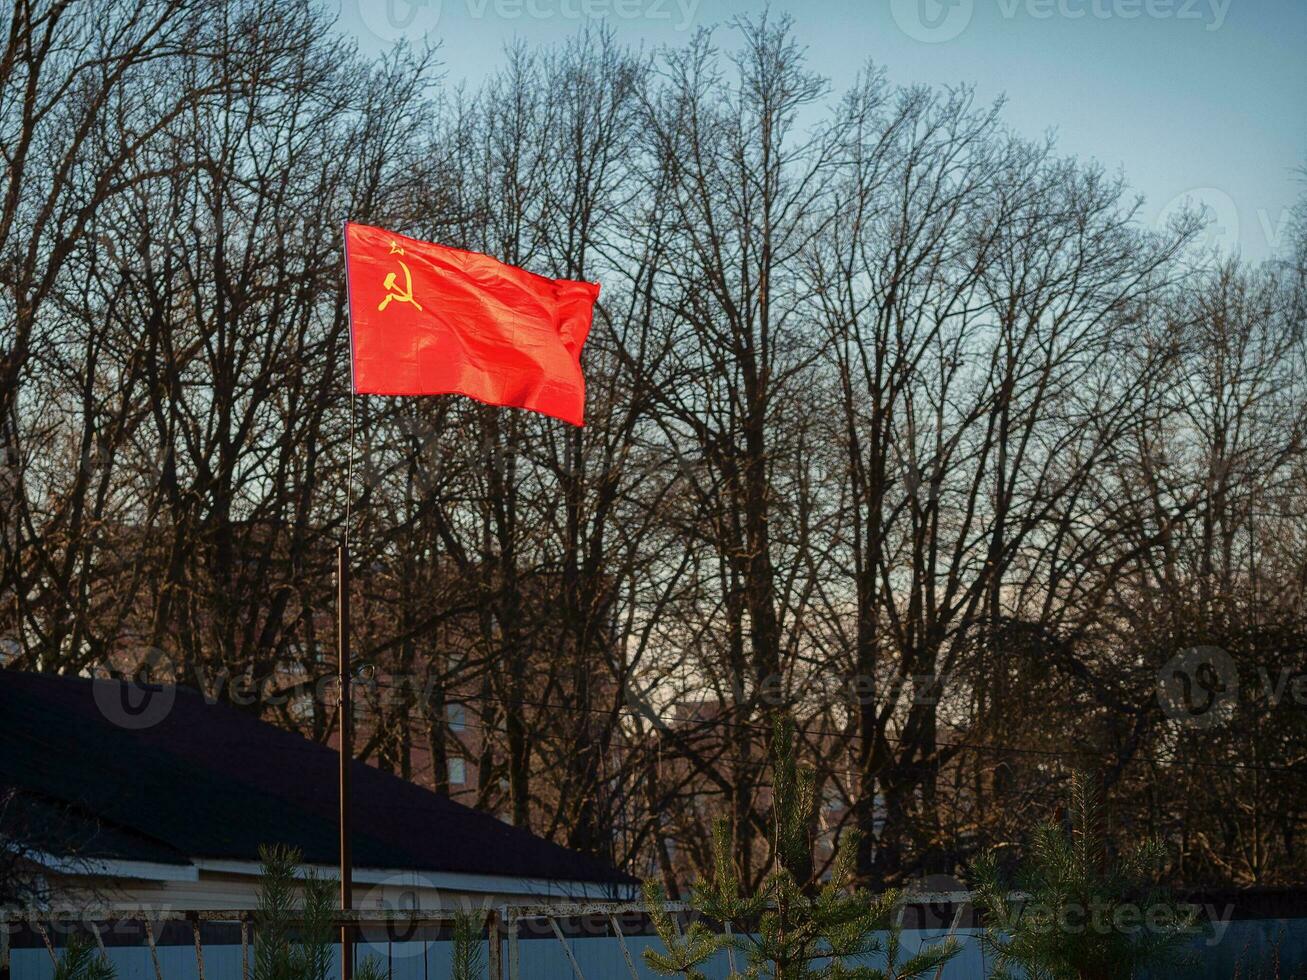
point(211, 782)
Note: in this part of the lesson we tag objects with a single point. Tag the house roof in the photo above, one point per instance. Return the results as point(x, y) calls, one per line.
point(210, 782)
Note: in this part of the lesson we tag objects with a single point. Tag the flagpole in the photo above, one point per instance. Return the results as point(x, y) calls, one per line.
point(345, 707)
point(346, 741)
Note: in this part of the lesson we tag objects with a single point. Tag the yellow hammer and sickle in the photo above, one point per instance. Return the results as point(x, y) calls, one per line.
point(404, 295)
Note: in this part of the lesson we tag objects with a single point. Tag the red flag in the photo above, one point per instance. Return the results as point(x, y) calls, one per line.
point(431, 320)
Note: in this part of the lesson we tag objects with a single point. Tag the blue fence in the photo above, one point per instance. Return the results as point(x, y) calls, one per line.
point(538, 959)
point(1247, 949)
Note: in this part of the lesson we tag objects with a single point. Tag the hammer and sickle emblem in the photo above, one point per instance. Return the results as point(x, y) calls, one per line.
point(393, 292)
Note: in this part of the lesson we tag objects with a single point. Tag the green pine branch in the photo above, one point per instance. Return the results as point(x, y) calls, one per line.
point(81, 959)
point(789, 930)
point(1069, 877)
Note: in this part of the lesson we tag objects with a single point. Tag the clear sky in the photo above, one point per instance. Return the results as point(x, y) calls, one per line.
point(1203, 100)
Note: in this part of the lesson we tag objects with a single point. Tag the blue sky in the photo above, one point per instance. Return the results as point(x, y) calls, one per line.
point(1201, 100)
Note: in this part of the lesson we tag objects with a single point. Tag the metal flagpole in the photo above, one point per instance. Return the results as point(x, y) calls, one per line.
point(345, 706)
point(346, 742)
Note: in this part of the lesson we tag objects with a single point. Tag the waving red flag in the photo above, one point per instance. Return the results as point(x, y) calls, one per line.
point(431, 320)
